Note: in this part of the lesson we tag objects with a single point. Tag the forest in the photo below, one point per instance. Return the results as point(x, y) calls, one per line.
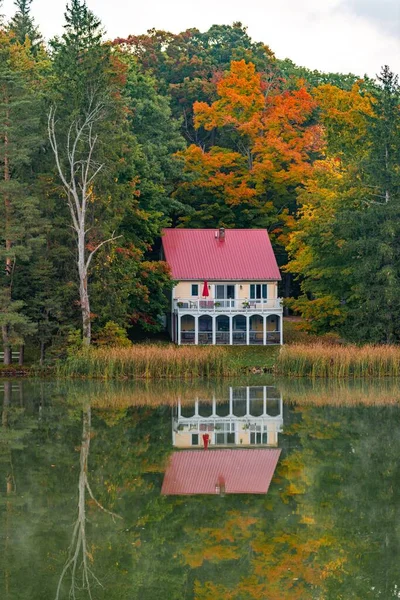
point(103, 143)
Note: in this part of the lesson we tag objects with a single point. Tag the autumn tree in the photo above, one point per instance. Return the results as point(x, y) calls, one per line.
point(188, 65)
point(344, 245)
point(266, 138)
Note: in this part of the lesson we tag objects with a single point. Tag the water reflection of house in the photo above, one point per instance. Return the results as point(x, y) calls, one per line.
point(252, 416)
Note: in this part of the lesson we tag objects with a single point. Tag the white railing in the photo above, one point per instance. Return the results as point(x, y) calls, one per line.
point(210, 305)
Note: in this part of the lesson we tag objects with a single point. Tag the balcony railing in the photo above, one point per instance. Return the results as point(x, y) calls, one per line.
point(227, 306)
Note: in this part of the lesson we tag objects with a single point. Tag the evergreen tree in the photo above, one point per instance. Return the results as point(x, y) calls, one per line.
point(20, 223)
point(22, 25)
point(372, 248)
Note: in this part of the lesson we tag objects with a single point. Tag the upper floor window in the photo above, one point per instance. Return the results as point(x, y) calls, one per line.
point(195, 289)
point(258, 291)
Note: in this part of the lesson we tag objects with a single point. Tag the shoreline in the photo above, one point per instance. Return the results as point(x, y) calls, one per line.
point(150, 362)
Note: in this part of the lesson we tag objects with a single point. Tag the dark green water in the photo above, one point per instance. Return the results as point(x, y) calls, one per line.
point(82, 516)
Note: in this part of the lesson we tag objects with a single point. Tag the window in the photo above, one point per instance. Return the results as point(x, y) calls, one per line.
point(258, 437)
point(195, 439)
point(258, 291)
point(195, 289)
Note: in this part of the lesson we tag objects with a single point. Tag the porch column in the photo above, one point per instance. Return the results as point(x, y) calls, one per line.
point(230, 330)
point(196, 330)
point(281, 327)
point(247, 401)
point(214, 321)
point(264, 400)
point(179, 330)
point(247, 330)
point(264, 330)
point(214, 407)
point(230, 401)
point(196, 407)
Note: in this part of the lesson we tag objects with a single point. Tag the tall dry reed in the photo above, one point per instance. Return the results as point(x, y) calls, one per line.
point(148, 362)
point(320, 360)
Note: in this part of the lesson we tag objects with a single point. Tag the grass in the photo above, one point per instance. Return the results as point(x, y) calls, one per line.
point(151, 361)
point(147, 361)
point(337, 361)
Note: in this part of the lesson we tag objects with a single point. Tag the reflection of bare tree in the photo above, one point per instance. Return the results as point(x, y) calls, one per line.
point(79, 555)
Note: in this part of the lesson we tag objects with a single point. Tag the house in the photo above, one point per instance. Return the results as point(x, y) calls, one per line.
point(226, 288)
point(250, 416)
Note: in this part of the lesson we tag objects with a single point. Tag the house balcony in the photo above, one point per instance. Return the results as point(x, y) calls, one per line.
point(190, 306)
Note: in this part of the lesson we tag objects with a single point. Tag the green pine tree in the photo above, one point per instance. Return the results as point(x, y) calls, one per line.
point(23, 26)
point(20, 219)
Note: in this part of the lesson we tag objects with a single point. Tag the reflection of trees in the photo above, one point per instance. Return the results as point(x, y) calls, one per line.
point(328, 528)
point(79, 556)
point(15, 427)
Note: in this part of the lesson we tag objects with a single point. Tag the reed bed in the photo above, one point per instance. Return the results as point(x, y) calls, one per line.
point(148, 362)
point(337, 361)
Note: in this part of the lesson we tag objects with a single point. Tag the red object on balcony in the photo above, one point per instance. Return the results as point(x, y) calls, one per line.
point(206, 440)
point(205, 290)
point(242, 471)
point(200, 255)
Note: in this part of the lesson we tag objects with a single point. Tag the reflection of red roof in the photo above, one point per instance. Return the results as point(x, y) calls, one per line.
point(197, 254)
point(199, 471)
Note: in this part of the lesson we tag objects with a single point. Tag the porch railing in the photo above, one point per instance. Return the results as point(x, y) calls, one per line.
point(217, 306)
point(223, 338)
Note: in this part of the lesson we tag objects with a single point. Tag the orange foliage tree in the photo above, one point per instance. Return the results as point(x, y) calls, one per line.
point(265, 138)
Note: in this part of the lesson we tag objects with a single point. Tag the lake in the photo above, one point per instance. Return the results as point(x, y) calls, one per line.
point(107, 492)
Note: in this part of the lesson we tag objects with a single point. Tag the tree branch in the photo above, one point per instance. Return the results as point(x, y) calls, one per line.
point(111, 239)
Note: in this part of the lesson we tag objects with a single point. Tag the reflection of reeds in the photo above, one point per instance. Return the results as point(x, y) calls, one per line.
point(319, 360)
point(339, 392)
point(148, 362)
point(121, 394)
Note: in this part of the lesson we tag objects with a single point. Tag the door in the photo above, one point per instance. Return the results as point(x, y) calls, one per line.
point(225, 295)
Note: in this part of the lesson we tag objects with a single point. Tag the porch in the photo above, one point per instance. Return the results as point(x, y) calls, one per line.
point(228, 329)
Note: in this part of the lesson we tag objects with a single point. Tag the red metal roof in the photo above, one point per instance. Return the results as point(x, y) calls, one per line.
point(241, 471)
point(199, 254)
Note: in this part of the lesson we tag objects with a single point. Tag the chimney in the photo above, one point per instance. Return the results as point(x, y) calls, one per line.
point(222, 234)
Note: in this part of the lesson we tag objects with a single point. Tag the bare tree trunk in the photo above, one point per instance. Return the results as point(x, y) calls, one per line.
point(83, 291)
point(42, 352)
point(21, 355)
point(5, 330)
point(6, 345)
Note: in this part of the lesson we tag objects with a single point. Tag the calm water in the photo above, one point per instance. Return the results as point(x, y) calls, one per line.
point(82, 514)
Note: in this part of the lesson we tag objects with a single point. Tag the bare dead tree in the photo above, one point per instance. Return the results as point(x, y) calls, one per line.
point(78, 169)
point(79, 556)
